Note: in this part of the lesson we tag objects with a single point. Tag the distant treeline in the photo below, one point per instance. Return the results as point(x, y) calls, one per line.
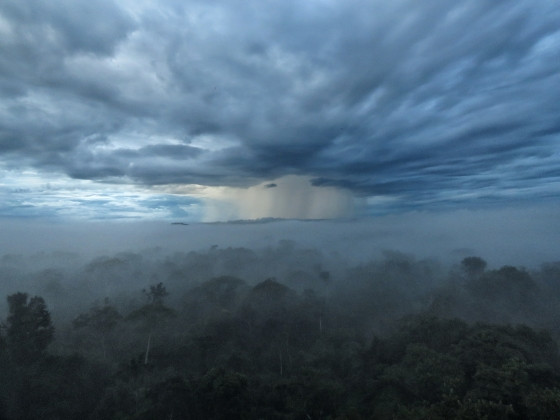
point(395, 338)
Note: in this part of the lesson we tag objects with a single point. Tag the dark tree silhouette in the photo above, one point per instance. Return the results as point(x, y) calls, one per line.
point(152, 314)
point(100, 320)
point(473, 266)
point(29, 328)
point(156, 294)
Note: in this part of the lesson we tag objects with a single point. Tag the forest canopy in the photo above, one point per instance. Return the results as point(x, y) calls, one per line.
point(279, 333)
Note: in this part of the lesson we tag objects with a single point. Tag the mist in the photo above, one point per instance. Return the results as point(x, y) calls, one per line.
point(289, 315)
point(525, 235)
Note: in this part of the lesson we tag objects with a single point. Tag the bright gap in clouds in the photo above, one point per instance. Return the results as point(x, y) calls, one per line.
point(30, 195)
point(288, 197)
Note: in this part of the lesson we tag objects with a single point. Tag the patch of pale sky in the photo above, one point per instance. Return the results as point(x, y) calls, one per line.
point(213, 142)
point(6, 29)
point(293, 197)
point(53, 195)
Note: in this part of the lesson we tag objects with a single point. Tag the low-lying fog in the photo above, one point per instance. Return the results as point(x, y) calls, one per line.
point(74, 264)
point(151, 311)
point(523, 237)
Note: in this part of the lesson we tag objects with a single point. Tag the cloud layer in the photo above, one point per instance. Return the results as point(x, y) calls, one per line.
point(416, 103)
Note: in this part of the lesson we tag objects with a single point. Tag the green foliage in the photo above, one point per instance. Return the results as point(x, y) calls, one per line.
point(426, 375)
point(543, 403)
point(436, 333)
point(230, 350)
point(509, 284)
point(223, 394)
point(451, 370)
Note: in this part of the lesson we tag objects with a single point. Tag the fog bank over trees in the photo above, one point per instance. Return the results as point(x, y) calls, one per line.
point(385, 287)
point(417, 317)
point(277, 331)
point(525, 236)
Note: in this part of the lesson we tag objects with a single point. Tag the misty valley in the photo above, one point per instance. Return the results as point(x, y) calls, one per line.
point(277, 332)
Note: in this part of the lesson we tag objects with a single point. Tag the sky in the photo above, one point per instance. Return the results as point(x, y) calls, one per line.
point(221, 110)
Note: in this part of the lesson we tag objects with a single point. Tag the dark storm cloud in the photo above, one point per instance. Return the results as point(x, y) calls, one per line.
point(429, 101)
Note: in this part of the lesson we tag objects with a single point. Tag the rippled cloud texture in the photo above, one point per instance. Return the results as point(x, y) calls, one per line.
point(172, 109)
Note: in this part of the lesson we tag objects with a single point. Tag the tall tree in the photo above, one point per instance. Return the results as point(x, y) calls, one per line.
point(100, 320)
point(155, 294)
point(153, 313)
point(29, 328)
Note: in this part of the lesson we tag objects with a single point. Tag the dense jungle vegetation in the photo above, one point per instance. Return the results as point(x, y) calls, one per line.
point(279, 333)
